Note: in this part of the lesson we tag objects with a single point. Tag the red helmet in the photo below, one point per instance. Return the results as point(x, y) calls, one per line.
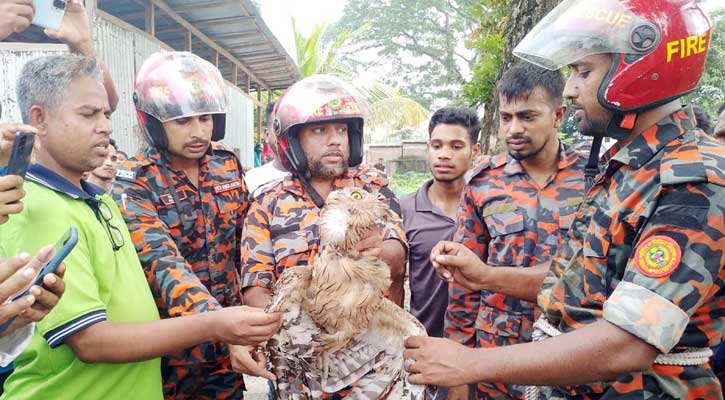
point(173, 85)
point(659, 47)
point(319, 98)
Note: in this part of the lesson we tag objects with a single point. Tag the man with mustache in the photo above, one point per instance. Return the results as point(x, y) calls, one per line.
point(513, 213)
point(633, 301)
point(429, 213)
point(104, 175)
point(184, 199)
point(103, 339)
point(319, 127)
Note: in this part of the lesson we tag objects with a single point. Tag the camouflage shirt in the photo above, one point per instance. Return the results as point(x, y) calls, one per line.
point(190, 250)
point(508, 220)
point(281, 229)
point(646, 253)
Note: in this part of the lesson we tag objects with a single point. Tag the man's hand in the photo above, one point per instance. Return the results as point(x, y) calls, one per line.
point(436, 361)
point(10, 197)
point(249, 360)
point(372, 243)
point(75, 30)
point(15, 16)
point(16, 274)
point(244, 325)
point(455, 262)
point(7, 135)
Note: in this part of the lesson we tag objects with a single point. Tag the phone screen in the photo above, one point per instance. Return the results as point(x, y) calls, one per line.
point(62, 248)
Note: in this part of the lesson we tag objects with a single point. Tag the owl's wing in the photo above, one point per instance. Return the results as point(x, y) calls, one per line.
point(292, 352)
point(289, 288)
point(373, 364)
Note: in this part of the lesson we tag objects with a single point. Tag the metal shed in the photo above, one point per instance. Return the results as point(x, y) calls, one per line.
point(229, 33)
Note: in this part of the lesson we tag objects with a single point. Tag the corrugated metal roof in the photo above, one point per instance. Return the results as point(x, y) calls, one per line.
point(235, 25)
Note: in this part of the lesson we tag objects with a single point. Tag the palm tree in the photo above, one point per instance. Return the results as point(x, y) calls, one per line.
point(388, 110)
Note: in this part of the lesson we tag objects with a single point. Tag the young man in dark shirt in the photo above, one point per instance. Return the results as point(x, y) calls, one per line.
point(429, 214)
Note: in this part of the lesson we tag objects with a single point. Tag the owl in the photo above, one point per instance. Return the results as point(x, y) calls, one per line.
point(338, 329)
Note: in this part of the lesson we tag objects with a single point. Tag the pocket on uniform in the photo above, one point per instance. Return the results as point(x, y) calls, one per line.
point(291, 248)
point(507, 238)
point(505, 223)
point(228, 201)
point(498, 323)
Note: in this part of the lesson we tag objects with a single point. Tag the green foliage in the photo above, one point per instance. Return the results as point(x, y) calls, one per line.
point(419, 40)
point(488, 43)
point(711, 92)
point(408, 182)
point(322, 52)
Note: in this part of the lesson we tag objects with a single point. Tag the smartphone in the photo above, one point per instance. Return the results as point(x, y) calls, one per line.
point(49, 13)
point(62, 248)
point(20, 154)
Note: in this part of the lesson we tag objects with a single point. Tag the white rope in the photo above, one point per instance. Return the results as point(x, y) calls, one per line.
point(690, 357)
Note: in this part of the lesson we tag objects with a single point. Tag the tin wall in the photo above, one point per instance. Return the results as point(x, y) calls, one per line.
point(123, 48)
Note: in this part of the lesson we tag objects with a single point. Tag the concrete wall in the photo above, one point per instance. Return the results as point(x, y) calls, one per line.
point(393, 155)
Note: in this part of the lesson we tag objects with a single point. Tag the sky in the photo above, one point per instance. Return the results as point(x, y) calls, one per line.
point(307, 13)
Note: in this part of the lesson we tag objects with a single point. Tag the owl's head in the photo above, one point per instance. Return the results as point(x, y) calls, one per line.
point(348, 216)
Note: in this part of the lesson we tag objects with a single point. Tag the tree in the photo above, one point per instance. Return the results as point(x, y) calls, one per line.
point(419, 41)
point(321, 52)
point(521, 16)
point(711, 92)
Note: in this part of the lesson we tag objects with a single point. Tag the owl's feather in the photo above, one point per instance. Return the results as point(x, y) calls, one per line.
point(338, 329)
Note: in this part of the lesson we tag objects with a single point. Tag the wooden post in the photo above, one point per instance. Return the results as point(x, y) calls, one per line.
point(216, 62)
point(189, 38)
point(261, 112)
point(236, 75)
point(248, 88)
point(150, 25)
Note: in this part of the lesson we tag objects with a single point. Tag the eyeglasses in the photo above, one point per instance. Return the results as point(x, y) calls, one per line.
point(115, 234)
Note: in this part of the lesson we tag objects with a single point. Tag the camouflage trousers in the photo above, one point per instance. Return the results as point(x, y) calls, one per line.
point(202, 381)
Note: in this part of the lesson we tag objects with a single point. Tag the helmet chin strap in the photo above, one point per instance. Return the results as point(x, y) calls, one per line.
point(619, 127)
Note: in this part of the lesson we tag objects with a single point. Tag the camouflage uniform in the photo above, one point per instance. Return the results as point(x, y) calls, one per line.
point(507, 220)
point(282, 229)
point(190, 254)
point(646, 253)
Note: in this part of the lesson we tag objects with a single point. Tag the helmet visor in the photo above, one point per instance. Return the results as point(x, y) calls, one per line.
point(579, 28)
point(178, 85)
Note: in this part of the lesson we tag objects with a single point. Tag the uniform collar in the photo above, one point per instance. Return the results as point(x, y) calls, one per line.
point(643, 147)
point(422, 201)
point(567, 158)
point(47, 178)
point(293, 182)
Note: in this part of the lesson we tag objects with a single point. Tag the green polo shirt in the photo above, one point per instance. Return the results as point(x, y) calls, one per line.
point(101, 284)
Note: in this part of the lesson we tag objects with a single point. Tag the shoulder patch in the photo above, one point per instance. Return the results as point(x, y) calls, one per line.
point(125, 174)
point(658, 256)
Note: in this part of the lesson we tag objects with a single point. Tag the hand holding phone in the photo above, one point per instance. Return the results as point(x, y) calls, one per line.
point(49, 13)
point(61, 249)
point(20, 154)
point(7, 137)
